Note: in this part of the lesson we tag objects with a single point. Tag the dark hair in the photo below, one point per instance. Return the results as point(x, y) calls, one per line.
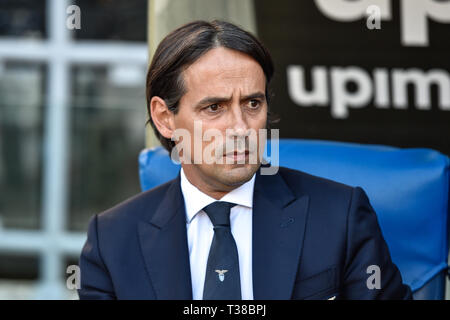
point(183, 46)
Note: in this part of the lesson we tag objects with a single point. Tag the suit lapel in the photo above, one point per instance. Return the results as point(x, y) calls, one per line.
point(163, 240)
point(279, 220)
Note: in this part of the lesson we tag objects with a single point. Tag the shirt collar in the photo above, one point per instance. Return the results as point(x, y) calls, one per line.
point(195, 200)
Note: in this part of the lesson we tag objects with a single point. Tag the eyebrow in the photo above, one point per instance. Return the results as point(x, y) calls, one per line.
point(213, 100)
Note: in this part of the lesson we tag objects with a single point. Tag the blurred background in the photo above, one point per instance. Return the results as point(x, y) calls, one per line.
point(73, 110)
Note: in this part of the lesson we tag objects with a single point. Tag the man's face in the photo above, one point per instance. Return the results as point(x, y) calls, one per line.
point(225, 89)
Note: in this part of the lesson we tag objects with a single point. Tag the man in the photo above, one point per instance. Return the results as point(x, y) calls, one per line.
point(222, 229)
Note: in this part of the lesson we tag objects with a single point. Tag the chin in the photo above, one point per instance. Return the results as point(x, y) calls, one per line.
point(237, 174)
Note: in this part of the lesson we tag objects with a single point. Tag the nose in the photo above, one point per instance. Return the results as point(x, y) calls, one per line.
point(239, 127)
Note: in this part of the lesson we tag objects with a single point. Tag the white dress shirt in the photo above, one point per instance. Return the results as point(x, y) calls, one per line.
point(200, 233)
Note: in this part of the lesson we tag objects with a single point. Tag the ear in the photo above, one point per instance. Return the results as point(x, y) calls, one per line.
point(162, 117)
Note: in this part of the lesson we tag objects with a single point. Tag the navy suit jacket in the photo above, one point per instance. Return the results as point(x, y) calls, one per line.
point(313, 238)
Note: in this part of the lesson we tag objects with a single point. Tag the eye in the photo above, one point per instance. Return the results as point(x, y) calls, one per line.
point(254, 104)
point(213, 108)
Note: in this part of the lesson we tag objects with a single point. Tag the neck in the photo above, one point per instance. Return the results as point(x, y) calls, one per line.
point(212, 188)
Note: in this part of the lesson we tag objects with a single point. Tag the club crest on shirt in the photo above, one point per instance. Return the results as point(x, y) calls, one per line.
point(221, 274)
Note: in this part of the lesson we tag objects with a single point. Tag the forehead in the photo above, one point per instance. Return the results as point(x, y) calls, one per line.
point(225, 70)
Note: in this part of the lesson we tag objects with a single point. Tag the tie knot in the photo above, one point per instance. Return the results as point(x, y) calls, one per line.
point(219, 212)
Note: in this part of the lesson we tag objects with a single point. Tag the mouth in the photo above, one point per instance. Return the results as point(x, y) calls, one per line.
point(237, 156)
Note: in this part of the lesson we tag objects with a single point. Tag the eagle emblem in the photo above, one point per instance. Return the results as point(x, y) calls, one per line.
point(221, 274)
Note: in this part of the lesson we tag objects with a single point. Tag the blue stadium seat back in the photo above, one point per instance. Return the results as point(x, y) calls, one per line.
point(408, 188)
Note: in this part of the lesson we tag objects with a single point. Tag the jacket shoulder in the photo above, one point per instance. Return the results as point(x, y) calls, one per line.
point(302, 182)
point(134, 208)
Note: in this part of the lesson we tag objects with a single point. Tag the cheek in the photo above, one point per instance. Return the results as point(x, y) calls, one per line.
point(214, 141)
point(184, 124)
point(259, 122)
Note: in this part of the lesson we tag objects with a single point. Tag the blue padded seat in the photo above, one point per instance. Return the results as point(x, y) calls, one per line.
point(408, 188)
